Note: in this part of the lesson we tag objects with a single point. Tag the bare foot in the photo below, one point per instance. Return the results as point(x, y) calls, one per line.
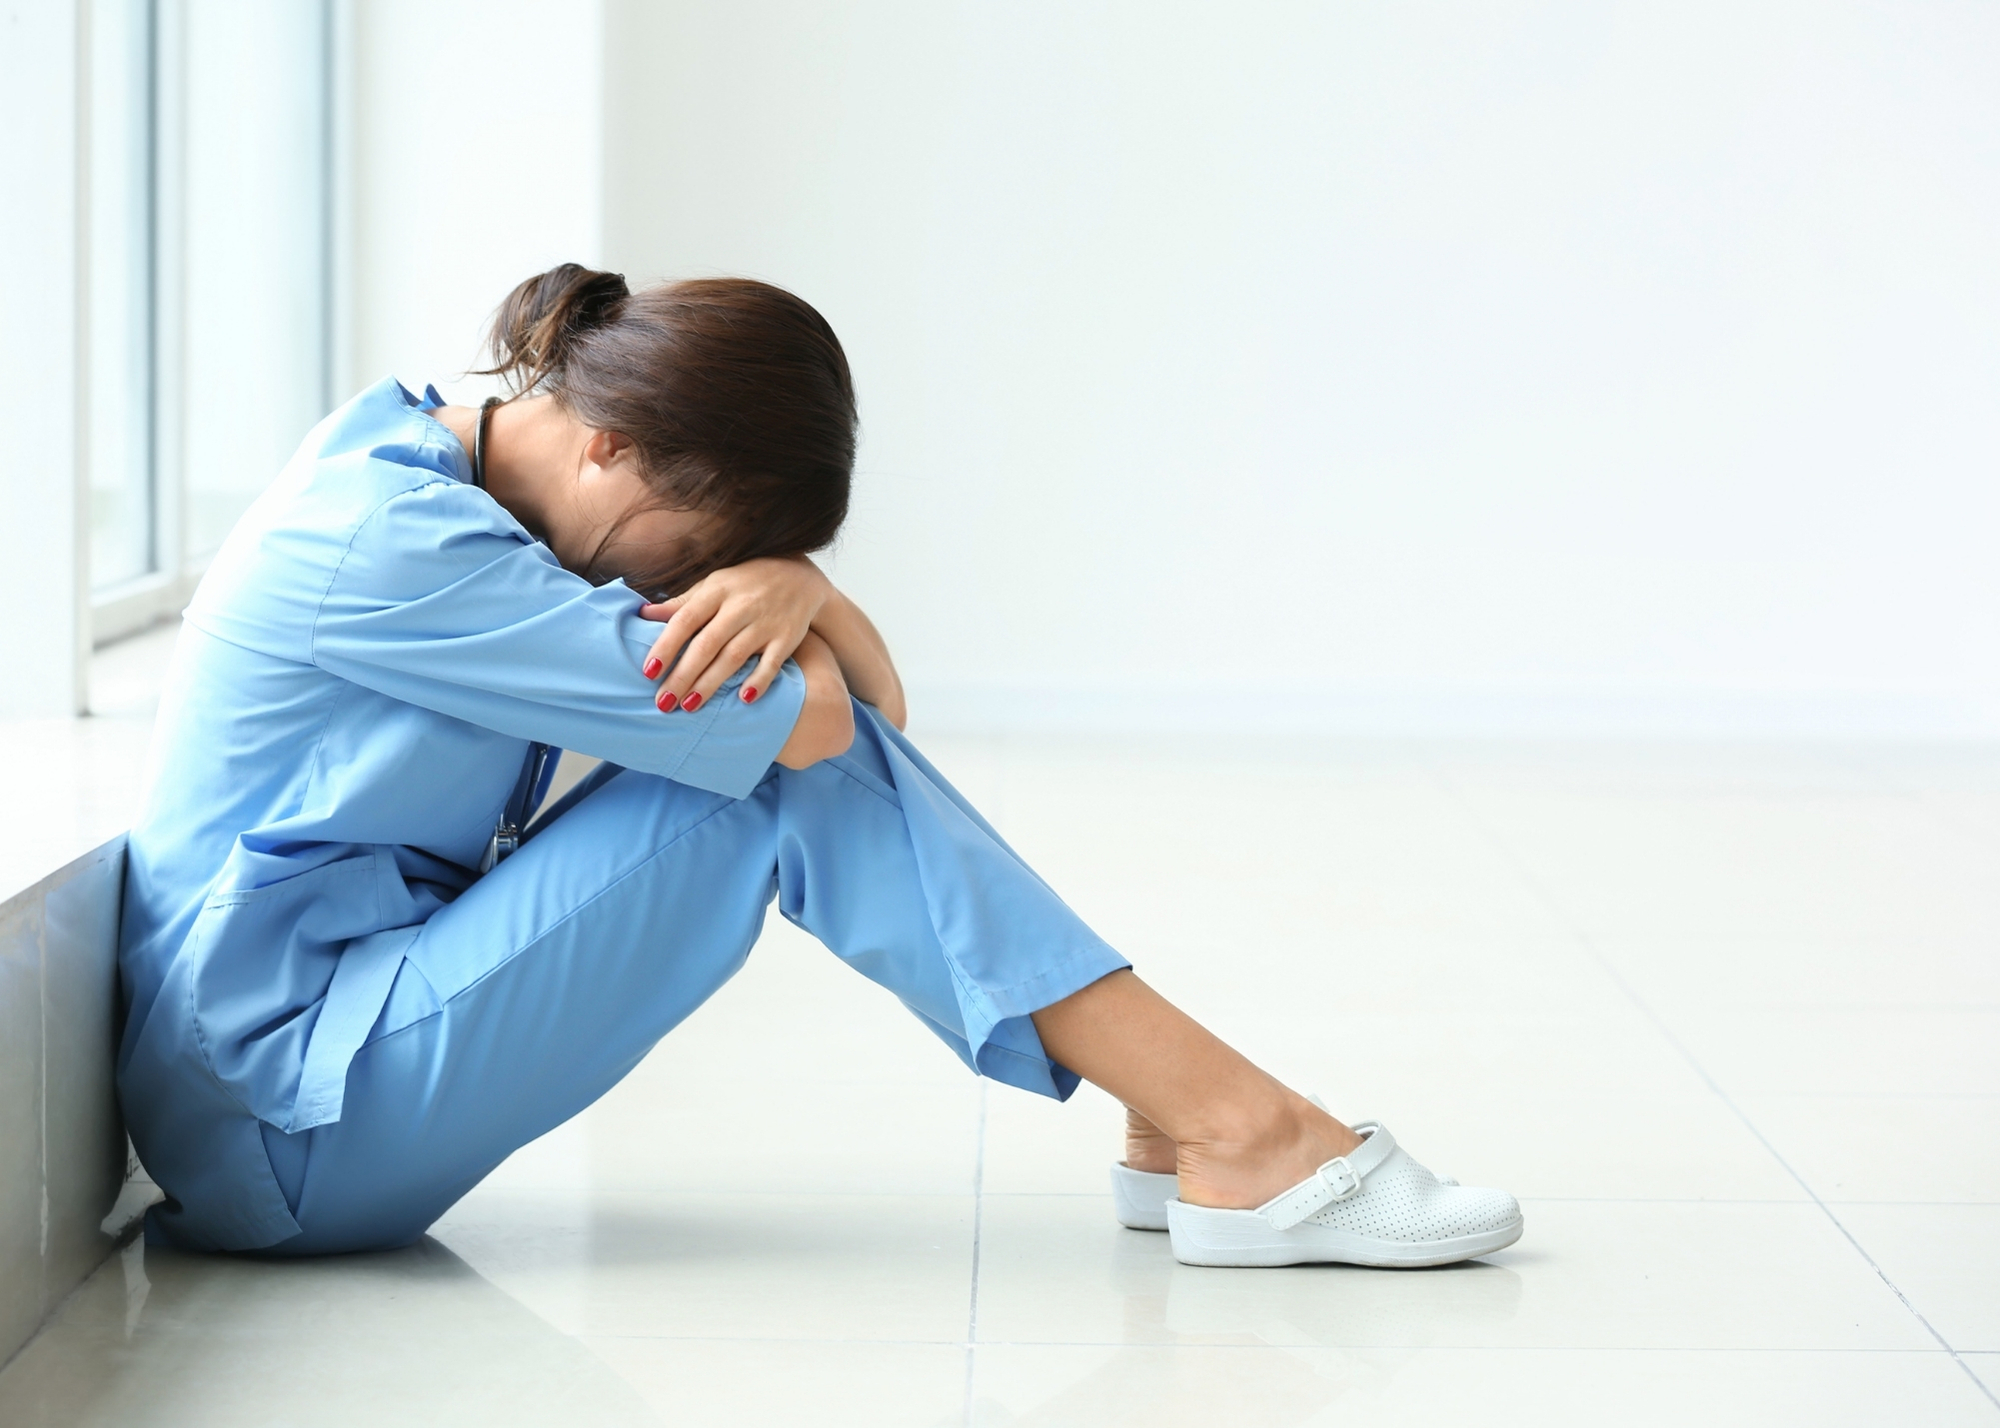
point(1242, 1137)
point(1147, 1147)
point(1265, 1151)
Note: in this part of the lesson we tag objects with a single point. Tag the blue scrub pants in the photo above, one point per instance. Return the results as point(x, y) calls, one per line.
point(549, 979)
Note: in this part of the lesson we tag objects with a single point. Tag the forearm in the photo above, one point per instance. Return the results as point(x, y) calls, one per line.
point(863, 656)
point(825, 726)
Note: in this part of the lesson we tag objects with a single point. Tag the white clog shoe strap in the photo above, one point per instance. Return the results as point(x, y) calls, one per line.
point(1363, 1127)
point(1338, 1179)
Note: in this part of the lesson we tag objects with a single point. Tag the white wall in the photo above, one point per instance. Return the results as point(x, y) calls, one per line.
point(1481, 368)
point(476, 161)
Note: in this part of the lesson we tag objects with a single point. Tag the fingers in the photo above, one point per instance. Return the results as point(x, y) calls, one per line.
point(759, 611)
point(717, 650)
point(773, 660)
point(701, 651)
point(684, 614)
point(734, 655)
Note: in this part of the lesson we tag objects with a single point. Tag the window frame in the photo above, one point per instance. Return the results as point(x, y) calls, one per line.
point(127, 607)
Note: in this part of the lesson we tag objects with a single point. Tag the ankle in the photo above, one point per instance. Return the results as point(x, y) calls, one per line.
point(1147, 1147)
point(1258, 1151)
point(1259, 1118)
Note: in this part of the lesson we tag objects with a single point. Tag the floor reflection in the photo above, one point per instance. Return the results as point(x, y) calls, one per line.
point(1331, 1305)
point(414, 1336)
point(1209, 1346)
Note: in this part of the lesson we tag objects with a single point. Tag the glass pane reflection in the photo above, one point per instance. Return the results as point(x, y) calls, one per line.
point(255, 251)
point(121, 291)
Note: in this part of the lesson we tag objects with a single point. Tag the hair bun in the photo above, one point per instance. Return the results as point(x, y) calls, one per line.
point(540, 322)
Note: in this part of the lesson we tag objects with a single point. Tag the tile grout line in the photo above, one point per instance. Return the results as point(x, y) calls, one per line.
point(1645, 1009)
point(978, 1224)
point(996, 814)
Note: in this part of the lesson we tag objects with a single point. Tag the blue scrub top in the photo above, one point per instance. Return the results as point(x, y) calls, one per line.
point(352, 700)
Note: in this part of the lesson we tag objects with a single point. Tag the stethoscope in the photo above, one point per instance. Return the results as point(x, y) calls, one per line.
point(529, 791)
point(540, 769)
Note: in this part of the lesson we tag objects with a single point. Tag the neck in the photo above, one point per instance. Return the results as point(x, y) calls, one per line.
point(529, 445)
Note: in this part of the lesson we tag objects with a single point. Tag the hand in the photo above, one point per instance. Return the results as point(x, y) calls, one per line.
point(760, 609)
point(825, 727)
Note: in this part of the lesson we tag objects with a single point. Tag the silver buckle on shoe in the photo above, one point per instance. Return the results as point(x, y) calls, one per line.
point(1339, 1191)
point(1313, 1194)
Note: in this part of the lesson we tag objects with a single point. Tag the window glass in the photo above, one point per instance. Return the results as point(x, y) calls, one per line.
point(120, 335)
point(254, 251)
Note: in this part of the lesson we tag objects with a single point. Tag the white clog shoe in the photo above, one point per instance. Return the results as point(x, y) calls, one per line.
point(1139, 1197)
point(1372, 1206)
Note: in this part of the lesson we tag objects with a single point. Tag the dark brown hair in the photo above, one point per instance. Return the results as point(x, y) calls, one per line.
point(735, 393)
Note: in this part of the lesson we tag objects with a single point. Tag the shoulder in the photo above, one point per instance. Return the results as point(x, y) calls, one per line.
point(415, 535)
point(371, 449)
point(375, 494)
point(384, 422)
point(380, 471)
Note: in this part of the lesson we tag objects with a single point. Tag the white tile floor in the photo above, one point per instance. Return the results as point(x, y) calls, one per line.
point(72, 783)
point(1727, 1019)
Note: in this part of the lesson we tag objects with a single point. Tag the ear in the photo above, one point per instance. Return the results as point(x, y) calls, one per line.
point(605, 447)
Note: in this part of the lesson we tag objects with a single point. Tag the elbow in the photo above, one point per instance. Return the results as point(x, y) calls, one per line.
point(894, 706)
point(840, 729)
point(825, 730)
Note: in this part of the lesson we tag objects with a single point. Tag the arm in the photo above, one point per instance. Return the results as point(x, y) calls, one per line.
point(761, 610)
point(439, 601)
point(826, 724)
point(863, 655)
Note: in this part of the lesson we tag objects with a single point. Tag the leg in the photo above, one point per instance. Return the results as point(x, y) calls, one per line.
point(1241, 1138)
point(1233, 1134)
point(1147, 1147)
point(527, 999)
point(536, 991)
point(1238, 1136)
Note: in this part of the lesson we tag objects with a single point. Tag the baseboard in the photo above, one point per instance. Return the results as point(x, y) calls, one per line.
point(1167, 707)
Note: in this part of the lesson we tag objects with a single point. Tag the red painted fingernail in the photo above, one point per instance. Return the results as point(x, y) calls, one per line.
point(652, 669)
point(691, 703)
point(667, 701)
point(750, 694)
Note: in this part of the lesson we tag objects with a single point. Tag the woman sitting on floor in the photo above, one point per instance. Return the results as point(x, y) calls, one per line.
point(358, 979)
